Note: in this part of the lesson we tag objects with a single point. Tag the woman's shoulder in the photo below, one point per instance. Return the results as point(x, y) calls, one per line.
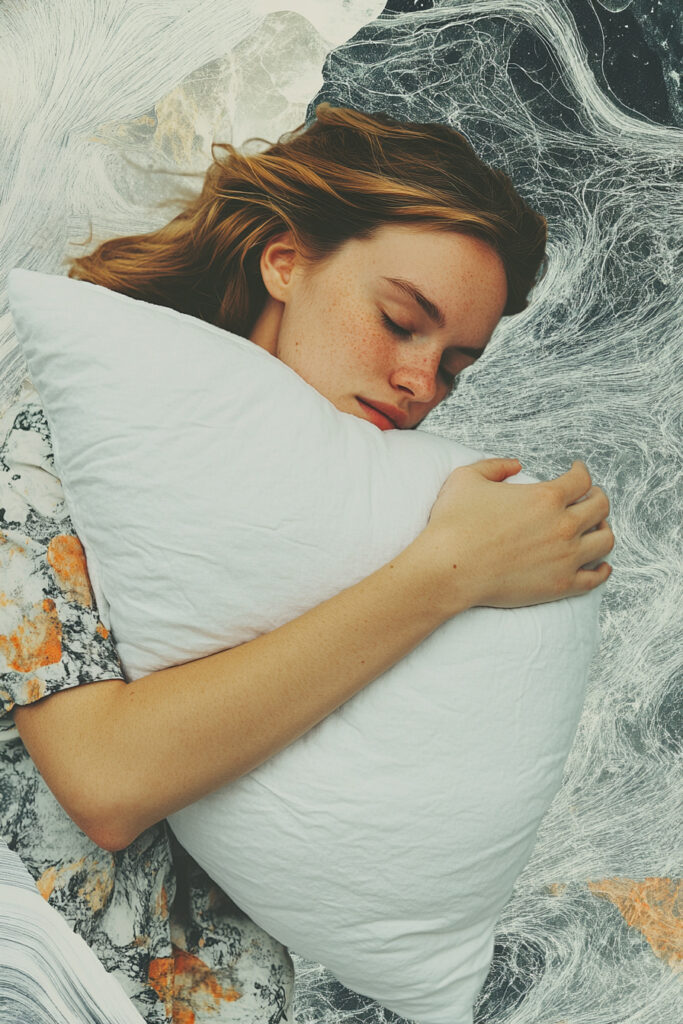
point(27, 470)
point(51, 634)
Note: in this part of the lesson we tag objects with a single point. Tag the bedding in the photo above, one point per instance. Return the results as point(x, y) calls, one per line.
point(218, 496)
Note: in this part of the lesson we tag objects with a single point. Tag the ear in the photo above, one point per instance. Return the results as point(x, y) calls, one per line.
point(277, 263)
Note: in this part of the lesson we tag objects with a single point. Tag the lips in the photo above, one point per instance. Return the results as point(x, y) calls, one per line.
point(375, 416)
point(387, 417)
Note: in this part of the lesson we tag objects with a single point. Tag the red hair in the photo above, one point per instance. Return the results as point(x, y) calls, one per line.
point(344, 176)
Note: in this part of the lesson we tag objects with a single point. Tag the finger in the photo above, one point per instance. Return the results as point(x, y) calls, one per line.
point(596, 543)
point(591, 510)
point(589, 579)
point(497, 469)
point(573, 484)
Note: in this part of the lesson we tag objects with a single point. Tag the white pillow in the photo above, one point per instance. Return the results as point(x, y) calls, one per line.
point(218, 496)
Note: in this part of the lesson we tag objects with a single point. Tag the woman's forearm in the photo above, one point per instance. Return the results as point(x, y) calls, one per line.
point(119, 757)
point(175, 735)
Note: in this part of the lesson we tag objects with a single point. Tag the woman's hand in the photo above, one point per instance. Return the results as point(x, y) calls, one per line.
point(506, 547)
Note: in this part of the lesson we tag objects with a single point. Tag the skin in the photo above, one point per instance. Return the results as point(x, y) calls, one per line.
point(325, 321)
point(120, 757)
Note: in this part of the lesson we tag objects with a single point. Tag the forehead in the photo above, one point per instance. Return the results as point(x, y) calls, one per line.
point(422, 250)
point(452, 269)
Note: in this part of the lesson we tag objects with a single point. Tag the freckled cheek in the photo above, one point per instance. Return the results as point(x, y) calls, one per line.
point(370, 348)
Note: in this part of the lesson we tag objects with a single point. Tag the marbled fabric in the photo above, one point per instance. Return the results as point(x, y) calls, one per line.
point(177, 944)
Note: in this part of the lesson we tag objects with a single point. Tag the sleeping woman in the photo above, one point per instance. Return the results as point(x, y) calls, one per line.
point(375, 258)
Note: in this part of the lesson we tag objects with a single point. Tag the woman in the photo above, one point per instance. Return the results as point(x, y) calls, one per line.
point(374, 258)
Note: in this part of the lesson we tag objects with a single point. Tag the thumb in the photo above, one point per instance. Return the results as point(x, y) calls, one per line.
point(497, 469)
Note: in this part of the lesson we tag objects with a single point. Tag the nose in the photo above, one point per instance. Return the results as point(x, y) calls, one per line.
point(418, 373)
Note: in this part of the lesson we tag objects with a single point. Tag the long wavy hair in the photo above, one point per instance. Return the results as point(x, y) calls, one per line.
point(343, 177)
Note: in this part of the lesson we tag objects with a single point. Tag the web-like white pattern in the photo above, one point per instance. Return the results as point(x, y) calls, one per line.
point(591, 370)
point(96, 92)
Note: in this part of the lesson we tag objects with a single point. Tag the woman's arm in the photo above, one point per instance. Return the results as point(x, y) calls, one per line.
point(119, 757)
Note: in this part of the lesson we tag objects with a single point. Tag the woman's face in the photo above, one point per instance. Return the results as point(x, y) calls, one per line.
point(330, 323)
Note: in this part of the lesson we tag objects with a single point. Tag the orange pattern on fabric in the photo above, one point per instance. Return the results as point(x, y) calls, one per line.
point(16, 549)
point(196, 988)
point(98, 885)
point(66, 556)
point(97, 872)
point(102, 630)
point(52, 876)
point(46, 883)
point(160, 976)
point(35, 689)
point(653, 906)
point(161, 903)
point(37, 640)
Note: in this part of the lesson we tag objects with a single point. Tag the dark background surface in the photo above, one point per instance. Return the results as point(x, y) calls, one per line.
point(635, 53)
point(635, 56)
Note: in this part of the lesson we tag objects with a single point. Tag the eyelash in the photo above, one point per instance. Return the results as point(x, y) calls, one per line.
point(401, 332)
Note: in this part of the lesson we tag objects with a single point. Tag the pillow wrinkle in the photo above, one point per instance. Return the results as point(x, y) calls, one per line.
point(385, 842)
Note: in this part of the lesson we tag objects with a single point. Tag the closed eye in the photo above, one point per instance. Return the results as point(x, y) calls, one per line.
point(402, 332)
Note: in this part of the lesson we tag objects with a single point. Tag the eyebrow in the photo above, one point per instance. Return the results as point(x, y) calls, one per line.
point(433, 311)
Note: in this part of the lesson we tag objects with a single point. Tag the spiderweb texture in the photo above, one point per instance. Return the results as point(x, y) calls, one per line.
point(591, 370)
point(108, 111)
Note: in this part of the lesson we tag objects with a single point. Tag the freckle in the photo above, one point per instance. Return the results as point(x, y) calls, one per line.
point(455, 566)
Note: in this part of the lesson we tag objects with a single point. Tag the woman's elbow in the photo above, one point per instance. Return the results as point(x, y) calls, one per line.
point(67, 735)
point(108, 830)
point(116, 822)
point(100, 811)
